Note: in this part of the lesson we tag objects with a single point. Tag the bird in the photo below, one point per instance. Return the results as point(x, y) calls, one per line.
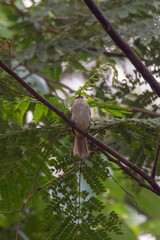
point(81, 116)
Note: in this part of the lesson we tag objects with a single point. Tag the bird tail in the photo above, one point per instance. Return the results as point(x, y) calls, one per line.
point(80, 147)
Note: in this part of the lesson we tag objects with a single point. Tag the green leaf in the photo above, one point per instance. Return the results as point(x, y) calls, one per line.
point(41, 52)
point(75, 64)
point(113, 109)
point(23, 107)
point(123, 13)
point(56, 72)
point(39, 110)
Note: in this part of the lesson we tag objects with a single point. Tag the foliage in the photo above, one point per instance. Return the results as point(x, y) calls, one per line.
point(65, 197)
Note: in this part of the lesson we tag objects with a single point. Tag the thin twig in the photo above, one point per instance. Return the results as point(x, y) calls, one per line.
point(145, 111)
point(30, 192)
point(128, 172)
point(10, 54)
point(107, 170)
point(27, 75)
point(119, 140)
point(110, 54)
point(2, 136)
point(20, 221)
point(43, 186)
point(22, 159)
point(27, 15)
point(154, 169)
point(12, 211)
point(79, 194)
point(47, 78)
point(62, 175)
point(16, 91)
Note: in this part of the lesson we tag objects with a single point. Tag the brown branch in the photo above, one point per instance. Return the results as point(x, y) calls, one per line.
point(27, 15)
point(112, 54)
point(97, 142)
point(12, 211)
point(126, 49)
point(14, 90)
point(79, 192)
point(109, 54)
point(145, 111)
point(55, 82)
point(47, 78)
point(154, 169)
point(128, 172)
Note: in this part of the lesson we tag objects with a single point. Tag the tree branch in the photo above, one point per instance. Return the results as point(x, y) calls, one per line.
point(153, 174)
point(126, 49)
point(107, 53)
point(112, 54)
point(27, 15)
point(79, 192)
point(97, 142)
point(145, 111)
point(128, 172)
point(47, 78)
point(14, 90)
